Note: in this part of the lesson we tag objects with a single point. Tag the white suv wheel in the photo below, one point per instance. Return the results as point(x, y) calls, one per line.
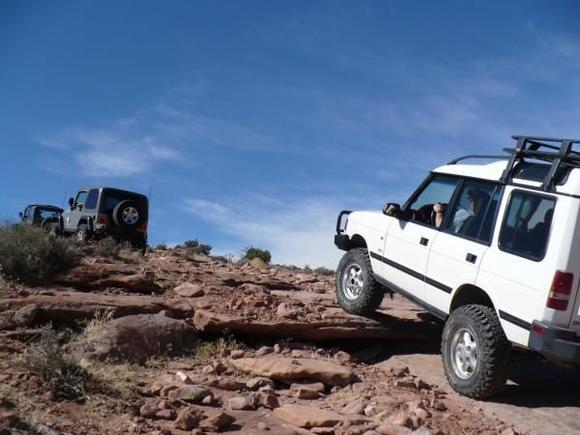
point(352, 282)
point(463, 354)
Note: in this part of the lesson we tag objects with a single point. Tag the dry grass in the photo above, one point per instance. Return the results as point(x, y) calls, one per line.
point(208, 350)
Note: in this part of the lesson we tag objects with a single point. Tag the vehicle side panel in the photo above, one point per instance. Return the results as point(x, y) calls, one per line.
point(448, 268)
point(517, 286)
point(372, 227)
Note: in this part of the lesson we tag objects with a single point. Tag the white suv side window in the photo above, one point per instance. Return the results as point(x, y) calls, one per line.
point(526, 225)
point(439, 190)
point(474, 210)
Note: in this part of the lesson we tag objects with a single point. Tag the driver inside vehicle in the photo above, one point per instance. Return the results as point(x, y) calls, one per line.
point(476, 206)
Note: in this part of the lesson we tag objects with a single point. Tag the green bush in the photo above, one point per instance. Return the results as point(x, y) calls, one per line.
point(324, 271)
point(30, 255)
point(196, 247)
point(250, 253)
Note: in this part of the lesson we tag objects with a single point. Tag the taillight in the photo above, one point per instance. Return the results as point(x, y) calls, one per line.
point(560, 290)
point(103, 219)
point(143, 228)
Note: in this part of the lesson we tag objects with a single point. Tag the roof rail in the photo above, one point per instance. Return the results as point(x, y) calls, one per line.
point(476, 156)
point(531, 147)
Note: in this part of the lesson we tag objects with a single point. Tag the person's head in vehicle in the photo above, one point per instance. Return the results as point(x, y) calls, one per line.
point(478, 200)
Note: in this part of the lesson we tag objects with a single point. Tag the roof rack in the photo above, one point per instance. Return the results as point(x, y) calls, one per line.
point(531, 147)
point(560, 154)
point(477, 156)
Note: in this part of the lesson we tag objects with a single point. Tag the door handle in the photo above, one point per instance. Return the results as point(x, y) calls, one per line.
point(470, 258)
point(424, 241)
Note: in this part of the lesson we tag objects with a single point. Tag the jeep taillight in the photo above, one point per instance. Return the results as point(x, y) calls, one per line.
point(143, 228)
point(103, 219)
point(560, 290)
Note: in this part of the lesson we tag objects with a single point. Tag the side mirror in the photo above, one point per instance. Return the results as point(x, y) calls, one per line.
point(392, 209)
point(71, 202)
point(20, 214)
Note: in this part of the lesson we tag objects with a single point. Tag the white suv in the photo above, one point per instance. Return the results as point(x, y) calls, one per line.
point(493, 249)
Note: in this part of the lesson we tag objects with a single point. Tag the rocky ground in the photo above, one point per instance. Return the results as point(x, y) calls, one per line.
point(177, 343)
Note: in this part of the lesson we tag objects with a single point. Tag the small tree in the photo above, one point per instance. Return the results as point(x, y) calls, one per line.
point(250, 253)
point(197, 247)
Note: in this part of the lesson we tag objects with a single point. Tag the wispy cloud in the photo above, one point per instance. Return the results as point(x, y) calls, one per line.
point(297, 232)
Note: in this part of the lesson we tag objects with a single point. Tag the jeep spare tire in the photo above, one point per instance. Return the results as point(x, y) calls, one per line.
point(128, 214)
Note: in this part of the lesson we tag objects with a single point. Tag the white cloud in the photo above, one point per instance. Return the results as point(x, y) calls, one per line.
point(297, 233)
point(113, 152)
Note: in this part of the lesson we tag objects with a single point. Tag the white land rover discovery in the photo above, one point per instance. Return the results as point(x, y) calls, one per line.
point(493, 249)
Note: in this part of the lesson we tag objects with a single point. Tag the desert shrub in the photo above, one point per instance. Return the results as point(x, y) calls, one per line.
point(59, 367)
point(196, 247)
point(227, 258)
point(107, 247)
point(324, 271)
point(208, 350)
point(30, 255)
point(251, 252)
point(161, 246)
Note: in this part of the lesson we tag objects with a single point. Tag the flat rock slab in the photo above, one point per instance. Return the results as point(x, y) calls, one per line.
point(68, 307)
point(335, 328)
point(295, 369)
point(102, 275)
point(307, 416)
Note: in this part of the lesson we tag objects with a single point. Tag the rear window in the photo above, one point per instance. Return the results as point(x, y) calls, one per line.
point(111, 198)
point(526, 226)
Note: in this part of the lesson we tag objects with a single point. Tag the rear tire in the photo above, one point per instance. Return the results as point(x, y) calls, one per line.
point(475, 352)
point(356, 289)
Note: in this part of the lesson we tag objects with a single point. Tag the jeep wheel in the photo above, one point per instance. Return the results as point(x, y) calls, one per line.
point(475, 352)
point(82, 234)
point(54, 229)
point(127, 214)
point(356, 288)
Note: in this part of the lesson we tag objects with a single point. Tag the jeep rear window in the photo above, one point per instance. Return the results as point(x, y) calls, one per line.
point(112, 198)
point(526, 225)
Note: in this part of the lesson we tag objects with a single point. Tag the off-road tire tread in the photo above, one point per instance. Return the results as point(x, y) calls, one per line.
point(494, 351)
point(372, 294)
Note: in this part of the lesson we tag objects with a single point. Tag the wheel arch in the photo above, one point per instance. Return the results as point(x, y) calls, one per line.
point(467, 294)
point(357, 241)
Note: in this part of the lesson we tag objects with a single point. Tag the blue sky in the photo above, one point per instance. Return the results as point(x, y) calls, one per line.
point(256, 122)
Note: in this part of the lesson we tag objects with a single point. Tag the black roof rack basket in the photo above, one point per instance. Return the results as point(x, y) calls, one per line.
point(557, 152)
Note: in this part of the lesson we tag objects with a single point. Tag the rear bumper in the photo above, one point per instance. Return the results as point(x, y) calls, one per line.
point(560, 345)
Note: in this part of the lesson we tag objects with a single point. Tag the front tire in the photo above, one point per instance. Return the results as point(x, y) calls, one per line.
point(356, 288)
point(475, 352)
point(82, 234)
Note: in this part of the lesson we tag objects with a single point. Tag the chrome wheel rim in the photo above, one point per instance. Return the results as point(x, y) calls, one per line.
point(130, 215)
point(80, 236)
point(464, 353)
point(352, 281)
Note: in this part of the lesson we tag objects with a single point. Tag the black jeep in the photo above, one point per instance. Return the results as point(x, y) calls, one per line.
point(40, 215)
point(104, 211)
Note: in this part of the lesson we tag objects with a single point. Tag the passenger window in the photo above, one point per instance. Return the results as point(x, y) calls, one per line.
point(81, 197)
point(526, 225)
point(472, 214)
point(92, 199)
point(439, 190)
